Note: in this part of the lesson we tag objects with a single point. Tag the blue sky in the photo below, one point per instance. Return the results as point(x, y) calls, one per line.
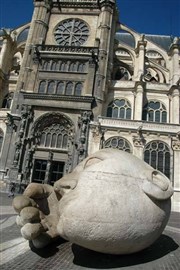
point(144, 16)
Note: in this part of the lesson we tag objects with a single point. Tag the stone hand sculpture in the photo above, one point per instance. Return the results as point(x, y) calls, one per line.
point(112, 202)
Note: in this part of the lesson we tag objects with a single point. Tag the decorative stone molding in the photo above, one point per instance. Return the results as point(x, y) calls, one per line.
point(83, 124)
point(138, 141)
point(10, 121)
point(107, 3)
point(176, 144)
point(85, 99)
point(18, 147)
point(66, 49)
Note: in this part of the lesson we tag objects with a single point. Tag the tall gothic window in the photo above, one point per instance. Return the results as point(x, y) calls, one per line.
point(42, 87)
point(54, 65)
point(78, 89)
point(69, 88)
point(81, 67)
point(118, 143)
point(155, 111)
point(60, 88)
point(157, 154)
point(73, 66)
point(1, 139)
point(54, 136)
point(47, 65)
point(119, 108)
point(51, 87)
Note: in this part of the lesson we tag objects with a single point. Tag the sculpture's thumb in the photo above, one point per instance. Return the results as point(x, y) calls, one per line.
point(159, 187)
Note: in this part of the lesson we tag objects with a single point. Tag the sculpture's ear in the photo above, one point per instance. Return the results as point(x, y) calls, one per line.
point(159, 187)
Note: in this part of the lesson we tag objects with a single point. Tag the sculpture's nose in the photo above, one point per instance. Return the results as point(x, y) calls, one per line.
point(159, 187)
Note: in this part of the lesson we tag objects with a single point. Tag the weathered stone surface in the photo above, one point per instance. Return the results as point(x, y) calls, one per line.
point(30, 214)
point(30, 231)
point(20, 202)
point(112, 202)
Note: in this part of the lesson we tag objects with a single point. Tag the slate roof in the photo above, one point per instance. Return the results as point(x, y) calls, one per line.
point(163, 41)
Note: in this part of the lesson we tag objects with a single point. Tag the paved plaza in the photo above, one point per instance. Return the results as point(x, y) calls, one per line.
point(18, 254)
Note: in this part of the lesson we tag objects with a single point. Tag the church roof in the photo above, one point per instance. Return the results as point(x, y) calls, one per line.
point(163, 41)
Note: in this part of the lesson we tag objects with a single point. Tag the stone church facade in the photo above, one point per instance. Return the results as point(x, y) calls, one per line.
point(75, 80)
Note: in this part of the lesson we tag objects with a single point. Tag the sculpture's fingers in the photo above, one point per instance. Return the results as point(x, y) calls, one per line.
point(159, 188)
point(31, 231)
point(21, 202)
point(38, 191)
point(30, 215)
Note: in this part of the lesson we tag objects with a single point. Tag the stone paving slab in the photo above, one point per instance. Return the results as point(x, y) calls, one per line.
point(17, 254)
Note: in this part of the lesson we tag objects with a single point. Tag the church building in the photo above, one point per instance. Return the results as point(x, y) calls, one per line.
point(75, 80)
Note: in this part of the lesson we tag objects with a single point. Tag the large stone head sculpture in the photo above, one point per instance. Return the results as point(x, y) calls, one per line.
point(112, 202)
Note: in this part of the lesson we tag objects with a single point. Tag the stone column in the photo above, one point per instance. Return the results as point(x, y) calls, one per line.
point(175, 105)
point(105, 34)
point(140, 56)
point(37, 33)
point(174, 53)
point(139, 142)
point(48, 168)
point(176, 183)
point(138, 101)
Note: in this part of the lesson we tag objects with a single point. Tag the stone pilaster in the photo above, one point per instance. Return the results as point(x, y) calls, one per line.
point(104, 32)
point(140, 56)
point(174, 104)
point(139, 142)
point(37, 33)
point(138, 101)
point(174, 53)
point(176, 184)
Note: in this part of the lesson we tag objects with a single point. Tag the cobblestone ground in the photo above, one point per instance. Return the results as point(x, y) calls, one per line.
point(16, 253)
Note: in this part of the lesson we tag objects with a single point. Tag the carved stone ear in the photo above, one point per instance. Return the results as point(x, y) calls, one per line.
point(159, 187)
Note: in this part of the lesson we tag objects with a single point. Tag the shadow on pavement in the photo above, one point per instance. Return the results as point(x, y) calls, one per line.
point(48, 251)
point(87, 258)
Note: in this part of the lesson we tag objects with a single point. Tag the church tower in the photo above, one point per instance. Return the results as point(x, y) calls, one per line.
point(62, 85)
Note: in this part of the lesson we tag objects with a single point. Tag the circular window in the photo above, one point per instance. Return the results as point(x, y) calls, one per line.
point(71, 32)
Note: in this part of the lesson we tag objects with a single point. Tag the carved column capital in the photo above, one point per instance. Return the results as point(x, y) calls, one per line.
point(176, 144)
point(139, 141)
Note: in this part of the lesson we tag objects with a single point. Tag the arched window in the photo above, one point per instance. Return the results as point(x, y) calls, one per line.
point(73, 66)
point(60, 88)
point(78, 89)
point(46, 65)
point(155, 111)
point(119, 143)
point(7, 101)
point(81, 67)
point(119, 108)
point(54, 65)
point(51, 87)
point(54, 136)
point(63, 66)
point(42, 87)
point(1, 139)
point(157, 154)
point(69, 88)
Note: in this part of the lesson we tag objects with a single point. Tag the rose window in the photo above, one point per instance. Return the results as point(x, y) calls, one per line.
point(71, 32)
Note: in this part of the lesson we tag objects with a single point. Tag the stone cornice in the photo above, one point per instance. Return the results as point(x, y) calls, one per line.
point(133, 125)
point(83, 99)
point(66, 49)
point(75, 3)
